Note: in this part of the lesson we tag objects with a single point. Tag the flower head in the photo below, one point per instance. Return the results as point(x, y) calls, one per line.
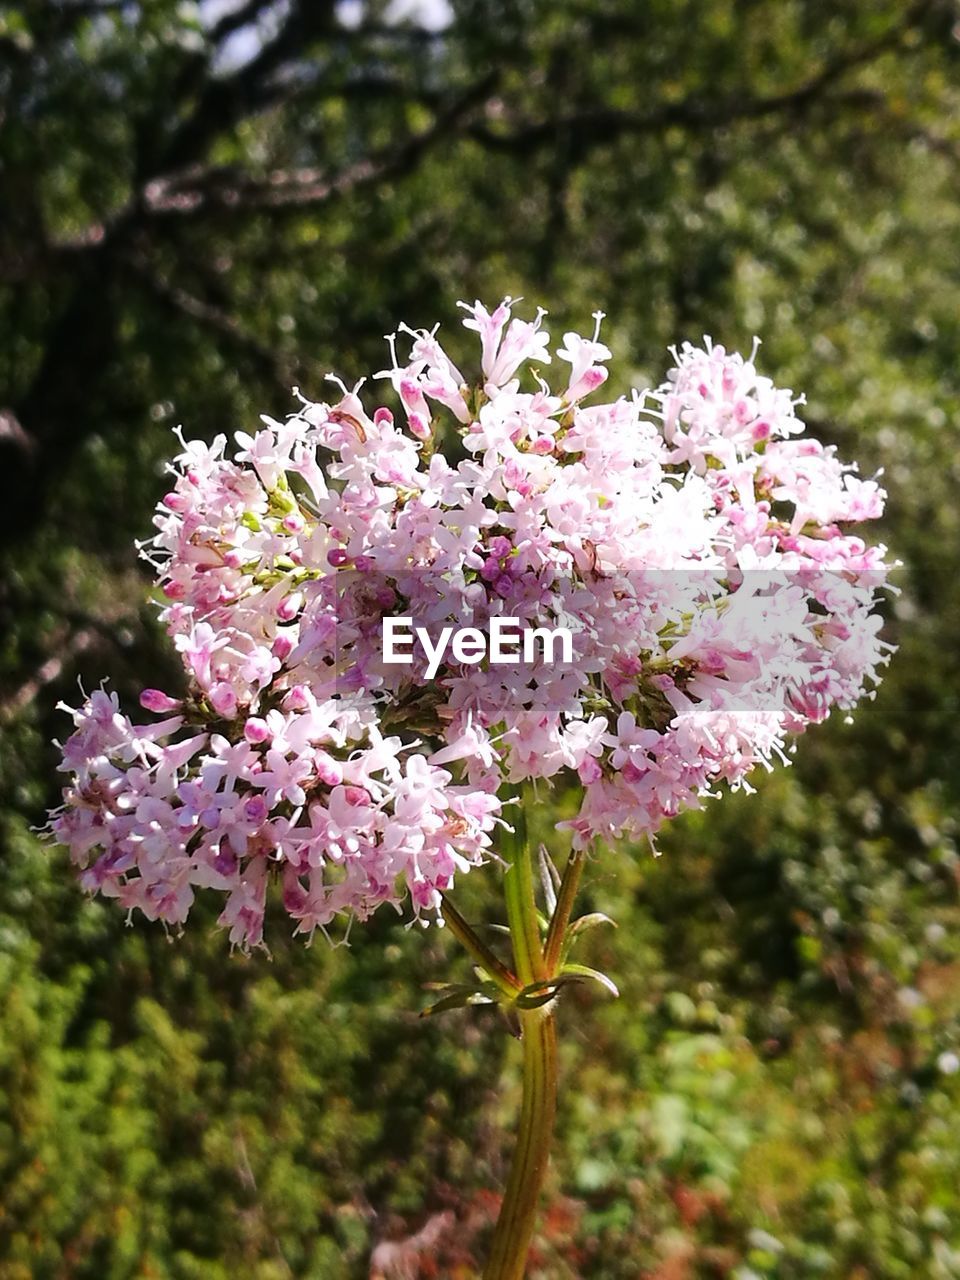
point(695, 543)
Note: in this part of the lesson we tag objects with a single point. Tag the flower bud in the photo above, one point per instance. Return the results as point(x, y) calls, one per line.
point(330, 772)
point(256, 730)
point(419, 426)
point(223, 700)
point(282, 645)
point(290, 606)
point(157, 700)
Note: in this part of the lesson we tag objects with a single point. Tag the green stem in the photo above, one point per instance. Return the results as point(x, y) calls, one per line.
point(521, 904)
point(538, 1031)
point(518, 1213)
point(562, 912)
point(478, 950)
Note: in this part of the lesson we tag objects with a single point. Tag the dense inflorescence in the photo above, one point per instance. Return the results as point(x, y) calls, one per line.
point(692, 539)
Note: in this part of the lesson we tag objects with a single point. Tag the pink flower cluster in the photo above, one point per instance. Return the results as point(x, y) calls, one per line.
point(694, 542)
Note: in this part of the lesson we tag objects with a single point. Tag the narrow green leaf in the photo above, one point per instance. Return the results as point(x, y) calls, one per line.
point(457, 1000)
point(591, 921)
point(592, 975)
point(549, 879)
point(536, 999)
point(580, 926)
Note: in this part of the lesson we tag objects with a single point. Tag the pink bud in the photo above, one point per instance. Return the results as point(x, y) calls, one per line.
point(592, 378)
point(337, 557)
point(383, 418)
point(256, 730)
point(225, 861)
point(330, 772)
point(255, 809)
point(298, 699)
point(411, 394)
point(223, 700)
point(294, 522)
point(295, 897)
point(157, 700)
point(282, 646)
point(356, 796)
point(289, 607)
point(419, 426)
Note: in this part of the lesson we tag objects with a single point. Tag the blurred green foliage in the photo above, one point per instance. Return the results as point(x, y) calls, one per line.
point(201, 205)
